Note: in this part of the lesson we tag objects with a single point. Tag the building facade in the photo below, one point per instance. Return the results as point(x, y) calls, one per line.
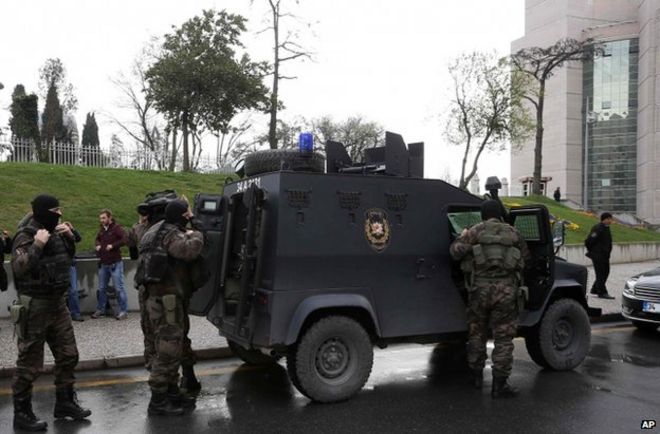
point(602, 114)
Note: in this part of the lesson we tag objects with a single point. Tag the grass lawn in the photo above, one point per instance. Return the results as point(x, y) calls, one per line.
point(584, 221)
point(83, 192)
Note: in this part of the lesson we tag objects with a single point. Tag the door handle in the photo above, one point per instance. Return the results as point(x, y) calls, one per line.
point(419, 274)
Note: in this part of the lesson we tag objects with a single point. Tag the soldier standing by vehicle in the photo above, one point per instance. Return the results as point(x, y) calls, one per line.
point(41, 261)
point(166, 251)
point(599, 248)
point(494, 254)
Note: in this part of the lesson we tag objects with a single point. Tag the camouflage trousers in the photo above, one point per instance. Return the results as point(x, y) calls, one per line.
point(492, 304)
point(168, 343)
point(188, 356)
point(47, 323)
point(147, 331)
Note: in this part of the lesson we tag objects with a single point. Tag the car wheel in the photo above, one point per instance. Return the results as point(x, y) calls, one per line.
point(561, 341)
point(332, 361)
point(251, 356)
point(272, 160)
point(645, 326)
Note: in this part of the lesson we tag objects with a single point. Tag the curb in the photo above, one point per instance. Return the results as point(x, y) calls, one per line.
point(123, 361)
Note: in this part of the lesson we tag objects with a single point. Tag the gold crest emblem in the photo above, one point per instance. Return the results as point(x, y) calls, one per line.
point(377, 229)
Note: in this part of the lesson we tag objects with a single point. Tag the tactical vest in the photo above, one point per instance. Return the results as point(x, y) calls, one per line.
point(495, 254)
point(154, 262)
point(51, 277)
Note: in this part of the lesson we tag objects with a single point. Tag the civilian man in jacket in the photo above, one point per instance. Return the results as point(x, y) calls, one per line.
point(109, 241)
point(599, 247)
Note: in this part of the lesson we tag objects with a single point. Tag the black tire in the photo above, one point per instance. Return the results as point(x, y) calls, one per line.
point(251, 356)
point(332, 361)
point(647, 327)
point(561, 340)
point(272, 160)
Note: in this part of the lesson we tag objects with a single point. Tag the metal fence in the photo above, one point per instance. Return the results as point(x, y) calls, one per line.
point(25, 151)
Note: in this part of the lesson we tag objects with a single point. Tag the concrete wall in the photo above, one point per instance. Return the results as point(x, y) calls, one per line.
point(622, 253)
point(87, 279)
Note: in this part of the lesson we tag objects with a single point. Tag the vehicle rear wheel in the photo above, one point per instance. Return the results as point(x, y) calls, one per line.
point(332, 360)
point(645, 326)
point(561, 340)
point(272, 160)
point(251, 356)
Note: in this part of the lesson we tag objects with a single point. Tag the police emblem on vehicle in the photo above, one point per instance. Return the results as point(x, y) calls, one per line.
point(377, 229)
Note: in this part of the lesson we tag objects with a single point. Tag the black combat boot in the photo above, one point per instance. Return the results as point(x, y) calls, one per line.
point(67, 405)
point(502, 389)
point(189, 382)
point(477, 378)
point(24, 417)
point(179, 398)
point(160, 405)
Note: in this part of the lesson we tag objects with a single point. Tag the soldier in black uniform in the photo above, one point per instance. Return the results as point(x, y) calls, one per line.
point(41, 261)
point(599, 247)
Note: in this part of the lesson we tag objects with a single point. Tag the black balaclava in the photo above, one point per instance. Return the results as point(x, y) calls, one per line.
point(40, 211)
point(174, 212)
point(491, 209)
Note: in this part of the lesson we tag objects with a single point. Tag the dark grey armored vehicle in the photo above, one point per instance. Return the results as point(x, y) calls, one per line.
point(318, 266)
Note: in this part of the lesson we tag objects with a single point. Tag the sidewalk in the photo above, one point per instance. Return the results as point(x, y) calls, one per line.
point(107, 342)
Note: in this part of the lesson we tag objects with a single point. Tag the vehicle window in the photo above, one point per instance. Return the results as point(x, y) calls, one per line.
point(462, 220)
point(528, 226)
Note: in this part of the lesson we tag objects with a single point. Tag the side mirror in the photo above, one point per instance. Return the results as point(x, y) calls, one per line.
point(558, 234)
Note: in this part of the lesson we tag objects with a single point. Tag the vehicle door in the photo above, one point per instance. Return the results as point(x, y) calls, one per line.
point(533, 223)
point(209, 210)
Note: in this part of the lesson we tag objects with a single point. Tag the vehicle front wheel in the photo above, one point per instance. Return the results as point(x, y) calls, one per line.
point(251, 356)
point(645, 326)
point(561, 341)
point(332, 360)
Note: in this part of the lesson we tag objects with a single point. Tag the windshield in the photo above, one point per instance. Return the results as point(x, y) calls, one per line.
point(462, 220)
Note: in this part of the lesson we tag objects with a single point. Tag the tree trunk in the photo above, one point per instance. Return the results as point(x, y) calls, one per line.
point(173, 160)
point(272, 127)
point(538, 147)
point(186, 155)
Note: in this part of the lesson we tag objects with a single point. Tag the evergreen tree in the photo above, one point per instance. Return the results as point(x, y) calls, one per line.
point(52, 123)
point(24, 123)
point(90, 140)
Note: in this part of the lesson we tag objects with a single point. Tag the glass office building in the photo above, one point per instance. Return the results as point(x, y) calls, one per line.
point(610, 95)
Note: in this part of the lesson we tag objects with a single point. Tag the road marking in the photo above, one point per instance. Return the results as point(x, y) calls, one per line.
point(129, 380)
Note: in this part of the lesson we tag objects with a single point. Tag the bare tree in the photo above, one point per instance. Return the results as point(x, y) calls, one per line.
point(486, 111)
point(285, 49)
point(356, 133)
point(146, 126)
point(232, 145)
point(535, 66)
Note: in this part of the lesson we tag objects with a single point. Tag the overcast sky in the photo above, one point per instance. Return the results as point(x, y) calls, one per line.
point(384, 59)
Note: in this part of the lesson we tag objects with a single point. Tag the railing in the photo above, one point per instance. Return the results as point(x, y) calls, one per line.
point(25, 151)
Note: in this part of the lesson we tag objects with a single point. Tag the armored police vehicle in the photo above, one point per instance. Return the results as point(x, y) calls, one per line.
point(320, 262)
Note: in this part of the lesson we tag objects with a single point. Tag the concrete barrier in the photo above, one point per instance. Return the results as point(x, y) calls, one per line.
point(622, 253)
point(87, 279)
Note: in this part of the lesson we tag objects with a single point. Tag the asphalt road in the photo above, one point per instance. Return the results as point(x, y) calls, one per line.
point(410, 390)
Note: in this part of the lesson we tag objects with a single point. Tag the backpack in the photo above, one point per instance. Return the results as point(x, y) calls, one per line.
point(495, 254)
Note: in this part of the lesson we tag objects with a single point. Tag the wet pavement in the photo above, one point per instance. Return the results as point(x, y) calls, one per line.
point(410, 389)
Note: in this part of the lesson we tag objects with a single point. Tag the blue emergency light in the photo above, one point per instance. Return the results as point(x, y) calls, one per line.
point(306, 142)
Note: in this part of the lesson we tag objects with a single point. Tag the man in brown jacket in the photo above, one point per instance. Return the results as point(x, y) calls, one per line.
point(109, 241)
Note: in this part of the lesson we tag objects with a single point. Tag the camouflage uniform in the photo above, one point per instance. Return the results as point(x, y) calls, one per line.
point(43, 273)
point(492, 292)
point(182, 247)
point(134, 235)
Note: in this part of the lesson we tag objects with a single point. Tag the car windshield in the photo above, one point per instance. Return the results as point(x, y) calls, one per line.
point(462, 220)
